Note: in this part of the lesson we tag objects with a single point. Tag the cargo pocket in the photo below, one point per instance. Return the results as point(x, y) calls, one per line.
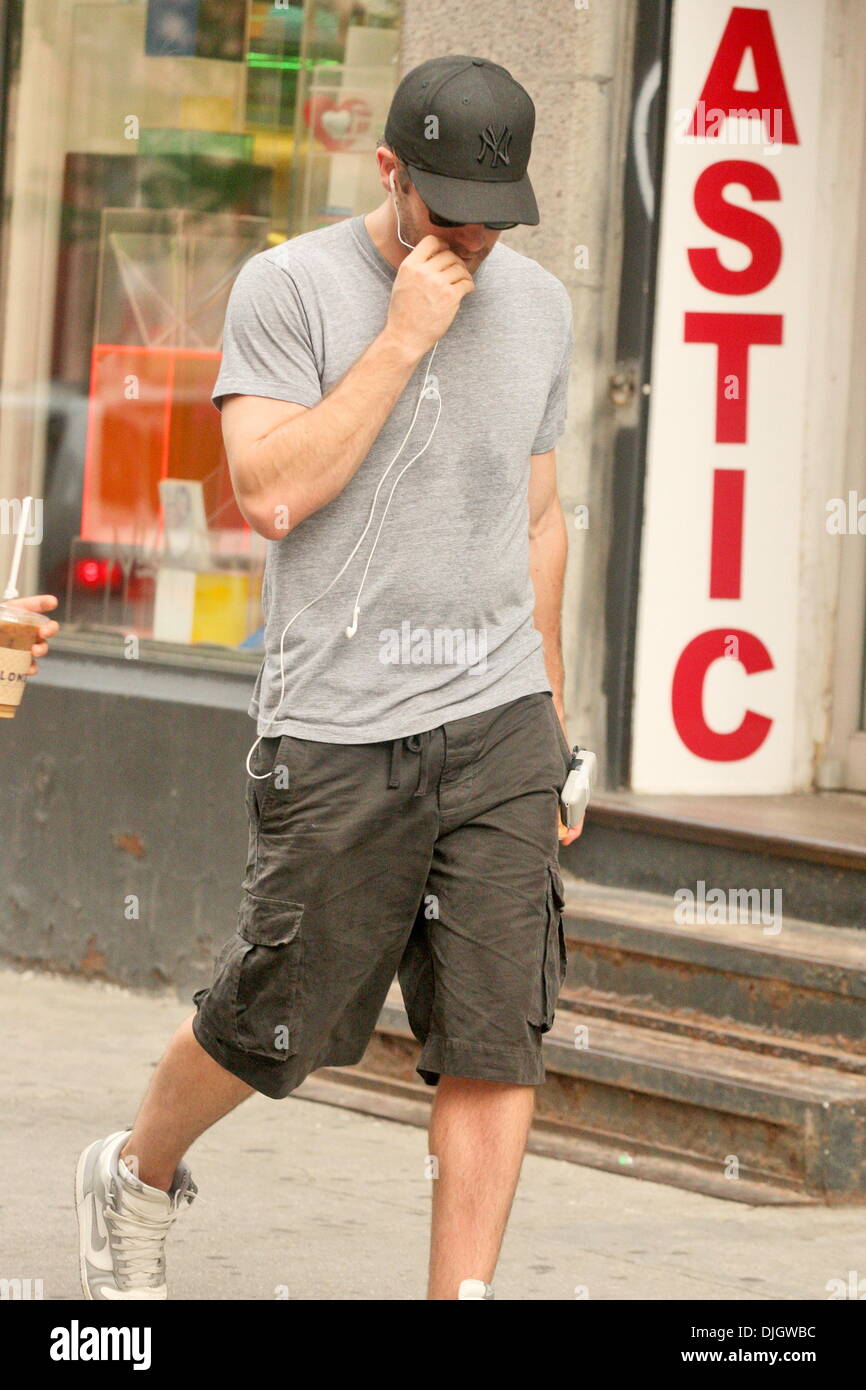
point(261, 982)
point(550, 976)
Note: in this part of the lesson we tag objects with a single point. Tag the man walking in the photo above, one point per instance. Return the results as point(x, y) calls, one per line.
point(392, 389)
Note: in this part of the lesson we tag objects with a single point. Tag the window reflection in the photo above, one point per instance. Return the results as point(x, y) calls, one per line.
point(196, 133)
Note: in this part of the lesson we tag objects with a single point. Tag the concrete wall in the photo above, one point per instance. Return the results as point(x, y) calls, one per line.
point(576, 65)
point(124, 833)
point(832, 590)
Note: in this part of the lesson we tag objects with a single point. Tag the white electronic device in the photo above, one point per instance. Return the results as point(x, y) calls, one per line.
point(578, 787)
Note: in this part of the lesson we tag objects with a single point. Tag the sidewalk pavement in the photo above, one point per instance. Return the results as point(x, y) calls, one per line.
point(301, 1200)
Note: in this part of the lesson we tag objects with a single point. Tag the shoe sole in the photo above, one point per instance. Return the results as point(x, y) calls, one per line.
point(80, 1168)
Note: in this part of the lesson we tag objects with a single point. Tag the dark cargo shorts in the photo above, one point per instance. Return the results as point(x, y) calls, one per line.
point(433, 857)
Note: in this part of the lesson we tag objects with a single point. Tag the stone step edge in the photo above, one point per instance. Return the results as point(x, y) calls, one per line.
point(404, 1103)
point(596, 911)
point(608, 811)
point(664, 1066)
point(725, 1032)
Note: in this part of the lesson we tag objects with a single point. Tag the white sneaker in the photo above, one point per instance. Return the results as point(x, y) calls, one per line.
point(474, 1288)
point(123, 1223)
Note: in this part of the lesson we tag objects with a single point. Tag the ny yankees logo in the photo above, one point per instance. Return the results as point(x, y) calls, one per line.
point(498, 147)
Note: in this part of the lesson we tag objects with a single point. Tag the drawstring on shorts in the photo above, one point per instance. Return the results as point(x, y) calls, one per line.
point(415, 743)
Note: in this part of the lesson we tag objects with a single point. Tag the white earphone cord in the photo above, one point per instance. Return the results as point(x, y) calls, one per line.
point(397, 211)
point(356, 611)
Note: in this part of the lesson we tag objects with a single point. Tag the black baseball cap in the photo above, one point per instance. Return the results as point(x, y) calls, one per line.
point(463, 127)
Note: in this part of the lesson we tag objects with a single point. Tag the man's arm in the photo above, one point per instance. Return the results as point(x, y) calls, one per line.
point(548, 548)
point(287, 461)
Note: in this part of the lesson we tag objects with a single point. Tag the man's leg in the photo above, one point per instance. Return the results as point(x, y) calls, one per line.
point(478, 1134)
point(482, 971)
point(187, 1094)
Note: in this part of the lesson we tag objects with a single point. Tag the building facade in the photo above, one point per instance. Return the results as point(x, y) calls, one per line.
point(700, 172)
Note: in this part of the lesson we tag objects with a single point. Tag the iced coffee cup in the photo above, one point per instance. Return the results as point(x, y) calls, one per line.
point(19, 632)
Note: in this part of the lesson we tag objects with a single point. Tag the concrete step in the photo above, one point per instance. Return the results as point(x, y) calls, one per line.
point(806, 985)
point(690, 1024)
point(408, 1102)
point(702, 1114)
point(811, 848)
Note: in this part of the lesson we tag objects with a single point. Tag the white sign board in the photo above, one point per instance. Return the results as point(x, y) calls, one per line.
point(715, 664)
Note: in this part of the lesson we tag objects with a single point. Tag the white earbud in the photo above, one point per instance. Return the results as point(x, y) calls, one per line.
point(400, 236)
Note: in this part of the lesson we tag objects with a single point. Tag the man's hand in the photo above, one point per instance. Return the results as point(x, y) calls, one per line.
point(39, 603)
point(567, 835)
point(430, 286)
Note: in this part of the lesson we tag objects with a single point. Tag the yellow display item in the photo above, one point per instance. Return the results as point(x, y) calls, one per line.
point(221, 607)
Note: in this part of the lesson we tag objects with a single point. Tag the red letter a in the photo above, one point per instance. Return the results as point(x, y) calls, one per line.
point(747, 29)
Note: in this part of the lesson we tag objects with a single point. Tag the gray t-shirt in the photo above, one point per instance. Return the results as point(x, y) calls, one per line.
point(445, 627)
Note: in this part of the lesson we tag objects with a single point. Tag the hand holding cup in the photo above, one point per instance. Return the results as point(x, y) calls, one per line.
point(23, 639)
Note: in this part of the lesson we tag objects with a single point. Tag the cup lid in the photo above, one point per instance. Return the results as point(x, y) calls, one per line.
point(10, 614)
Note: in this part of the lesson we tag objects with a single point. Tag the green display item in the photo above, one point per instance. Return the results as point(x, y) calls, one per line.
point(216, 144)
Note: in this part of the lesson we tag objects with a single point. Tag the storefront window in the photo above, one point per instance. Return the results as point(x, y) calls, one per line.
point(152, 147)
